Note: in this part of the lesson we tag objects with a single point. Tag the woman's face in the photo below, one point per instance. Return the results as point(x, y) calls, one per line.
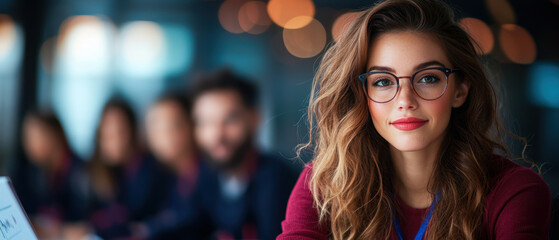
point(168, 131)
point(403, 53)
point(38, 141)
point(115, 137)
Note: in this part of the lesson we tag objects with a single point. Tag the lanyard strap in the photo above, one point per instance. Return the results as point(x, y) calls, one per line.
point(424, 224)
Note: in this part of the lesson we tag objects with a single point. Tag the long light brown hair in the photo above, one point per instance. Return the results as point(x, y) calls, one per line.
point(352, 170)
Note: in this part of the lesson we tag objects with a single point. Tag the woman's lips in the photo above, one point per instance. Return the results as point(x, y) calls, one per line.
point(409, 123)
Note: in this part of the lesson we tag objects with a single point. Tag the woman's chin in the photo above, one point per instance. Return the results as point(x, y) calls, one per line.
point(408, 145)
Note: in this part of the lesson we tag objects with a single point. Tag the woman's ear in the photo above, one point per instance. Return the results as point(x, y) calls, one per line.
point(461, 94)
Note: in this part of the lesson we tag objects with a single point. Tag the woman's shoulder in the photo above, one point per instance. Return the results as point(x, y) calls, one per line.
point(518, 202)
point(302, 221)
point(302, 191)
point(307, 172)
point(505, 173)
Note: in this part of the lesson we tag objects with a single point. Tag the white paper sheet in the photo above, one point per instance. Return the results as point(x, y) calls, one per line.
point(14, 224)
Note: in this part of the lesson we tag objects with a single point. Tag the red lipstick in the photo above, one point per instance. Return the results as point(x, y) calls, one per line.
point(409, 123)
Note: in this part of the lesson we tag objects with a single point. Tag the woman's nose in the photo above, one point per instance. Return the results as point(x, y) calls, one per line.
point(406, 98)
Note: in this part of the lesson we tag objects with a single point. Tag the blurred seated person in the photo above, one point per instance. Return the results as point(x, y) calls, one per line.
point(53, 185)
point(127, 183)
point(169, 135)
point(245, 191)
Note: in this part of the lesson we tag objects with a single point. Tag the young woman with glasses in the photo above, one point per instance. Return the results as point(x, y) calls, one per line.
point(404, 130)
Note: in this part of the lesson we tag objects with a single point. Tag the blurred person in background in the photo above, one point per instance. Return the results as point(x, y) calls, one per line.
point(53, 186)
point(127, 183)
point(169, 137)
point(245, 191)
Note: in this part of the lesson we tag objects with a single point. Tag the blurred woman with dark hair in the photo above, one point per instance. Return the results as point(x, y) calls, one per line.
point(169, 137)
point(53, 186)
point(127, 183)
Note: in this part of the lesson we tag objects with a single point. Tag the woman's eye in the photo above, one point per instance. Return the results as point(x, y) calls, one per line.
point(428, 79)
point(382, 83)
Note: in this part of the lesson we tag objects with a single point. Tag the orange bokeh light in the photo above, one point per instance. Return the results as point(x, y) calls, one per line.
point(501, 10)
point(517, 44)
point(228, 15)
point(342, 23)
point(253, 17)
point(305, 42)
point(480, 32)
point(289, 11)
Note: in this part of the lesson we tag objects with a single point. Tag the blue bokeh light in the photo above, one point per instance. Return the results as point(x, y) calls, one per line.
point(544, 84)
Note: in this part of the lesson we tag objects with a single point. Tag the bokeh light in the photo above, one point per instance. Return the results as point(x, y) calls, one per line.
point(342, 23)
point(85, 44)
point(480, 32)
point(11, 44)
point(517, 44)
point(47, 54)
point(142, 49)
point(501, 10)
point(298, 13)
point(78, 101)
point(181, 48)
point(83, 66)
point(253, 17)
point(228, 15)
point(7, 35)
point(305, 42)
point(544, 84)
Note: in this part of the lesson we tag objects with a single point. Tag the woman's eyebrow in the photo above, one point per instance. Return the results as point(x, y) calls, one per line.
point(418, 67)
point(381, 68)
point(427, 64)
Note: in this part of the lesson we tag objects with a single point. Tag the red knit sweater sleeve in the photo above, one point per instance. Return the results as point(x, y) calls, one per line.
point(519, 206)
point(301, 220)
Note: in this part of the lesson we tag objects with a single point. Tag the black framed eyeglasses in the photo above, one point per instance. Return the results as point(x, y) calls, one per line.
point(429, 83)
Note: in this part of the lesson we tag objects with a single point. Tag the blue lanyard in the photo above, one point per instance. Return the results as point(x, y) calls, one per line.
point(424, 224)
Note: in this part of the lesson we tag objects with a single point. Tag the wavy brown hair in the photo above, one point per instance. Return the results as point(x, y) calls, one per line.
point(352, 170)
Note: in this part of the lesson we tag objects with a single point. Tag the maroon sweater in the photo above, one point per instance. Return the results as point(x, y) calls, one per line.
point(518, 206)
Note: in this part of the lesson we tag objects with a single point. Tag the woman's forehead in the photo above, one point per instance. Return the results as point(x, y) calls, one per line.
point(403, 51)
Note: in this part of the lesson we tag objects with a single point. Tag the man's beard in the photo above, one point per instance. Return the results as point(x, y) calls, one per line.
point(238, 157)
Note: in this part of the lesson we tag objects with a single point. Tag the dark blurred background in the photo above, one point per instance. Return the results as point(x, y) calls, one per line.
point(73, 55)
